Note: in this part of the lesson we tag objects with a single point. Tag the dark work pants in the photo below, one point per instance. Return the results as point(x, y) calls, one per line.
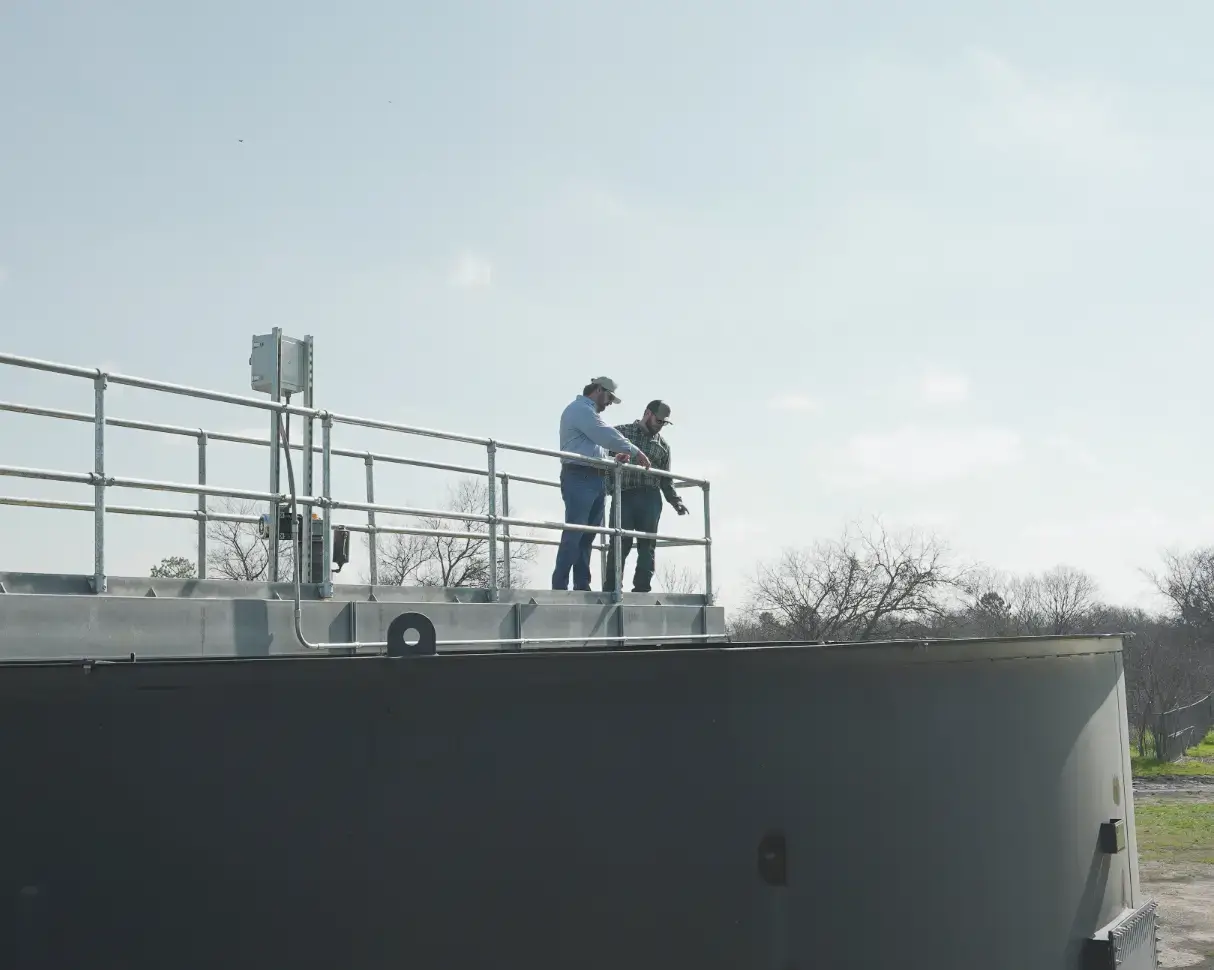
point(640, 510)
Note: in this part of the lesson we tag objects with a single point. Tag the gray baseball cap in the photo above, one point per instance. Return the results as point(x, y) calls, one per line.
point(608, 385)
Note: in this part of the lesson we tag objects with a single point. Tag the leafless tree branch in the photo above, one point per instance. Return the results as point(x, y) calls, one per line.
point(237, 550)
point(452, 560)
point(868, 584)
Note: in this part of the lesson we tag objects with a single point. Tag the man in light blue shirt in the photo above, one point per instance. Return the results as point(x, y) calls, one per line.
point(584, 486)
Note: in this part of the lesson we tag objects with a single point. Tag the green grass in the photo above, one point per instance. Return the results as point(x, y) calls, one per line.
point(1175, 831)
point(1198, 760)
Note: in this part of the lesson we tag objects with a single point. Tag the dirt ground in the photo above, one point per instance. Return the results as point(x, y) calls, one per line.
point(1185, 890)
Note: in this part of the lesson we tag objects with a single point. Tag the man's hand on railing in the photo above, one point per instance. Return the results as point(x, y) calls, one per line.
point(639, 458)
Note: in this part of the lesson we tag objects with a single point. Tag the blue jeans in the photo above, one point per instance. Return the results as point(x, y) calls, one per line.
point(584, 490)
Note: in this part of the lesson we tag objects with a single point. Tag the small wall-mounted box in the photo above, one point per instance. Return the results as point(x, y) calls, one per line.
point(1112, 836)
point(294, 365)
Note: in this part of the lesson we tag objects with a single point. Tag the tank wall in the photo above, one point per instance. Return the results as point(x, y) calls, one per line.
point(592, 810)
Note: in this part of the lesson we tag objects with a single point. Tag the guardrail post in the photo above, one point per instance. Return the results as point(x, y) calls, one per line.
point(506, 534)
point(202, 505)
point(326, 583)
point(707, 549)
point(616, 539)
point(276, 444)
point(372, 542)
point(303, 541)
point(491, 452)
point(99, 580)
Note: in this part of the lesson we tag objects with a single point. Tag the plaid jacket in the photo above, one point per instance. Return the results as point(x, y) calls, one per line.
point(657, 451)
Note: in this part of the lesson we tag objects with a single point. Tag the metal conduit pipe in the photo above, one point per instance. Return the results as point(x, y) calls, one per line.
point(299, 634)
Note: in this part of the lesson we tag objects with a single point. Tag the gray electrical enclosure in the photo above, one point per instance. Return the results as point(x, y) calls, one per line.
point(946, 806)
point(294, 363)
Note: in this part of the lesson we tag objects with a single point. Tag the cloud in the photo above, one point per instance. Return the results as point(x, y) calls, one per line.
point(738, 529)
point(3, 275)
point(793, 402)
point(1078, 122)
point(1074, 449)
point(703, 466)
point(925, 455)
point(944, 388)
point(471, 272)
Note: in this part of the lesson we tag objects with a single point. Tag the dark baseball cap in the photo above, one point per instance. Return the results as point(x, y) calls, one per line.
point(659, 409)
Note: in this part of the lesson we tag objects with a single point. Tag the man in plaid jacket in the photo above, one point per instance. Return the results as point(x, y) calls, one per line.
point(641, 496)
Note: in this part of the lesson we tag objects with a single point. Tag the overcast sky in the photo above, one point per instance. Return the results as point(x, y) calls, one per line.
point(924, 261)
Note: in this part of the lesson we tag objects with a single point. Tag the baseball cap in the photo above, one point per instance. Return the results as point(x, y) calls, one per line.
point(608, 385)
point(659, 409)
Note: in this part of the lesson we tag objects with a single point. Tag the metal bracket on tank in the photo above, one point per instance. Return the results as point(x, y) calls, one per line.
point(1112, 836)
point(1127, 943)
point(427, 639)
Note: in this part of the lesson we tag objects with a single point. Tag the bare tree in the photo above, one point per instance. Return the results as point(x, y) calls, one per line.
point(1187, 581)
point(996, 604)
point(459, 558)
point(681, 580)
point(867, 585)
point(1172, 662)
point(750, 626)
point(173, 567)
point(237, 550)
point(990, 604)
point(1061, 599)
point(1165, 668)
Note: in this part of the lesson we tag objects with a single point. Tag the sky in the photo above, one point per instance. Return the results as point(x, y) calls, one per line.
point(942, 263)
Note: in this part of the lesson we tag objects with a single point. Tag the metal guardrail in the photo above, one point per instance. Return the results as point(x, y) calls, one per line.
point(498, 482)
point(1181, 728)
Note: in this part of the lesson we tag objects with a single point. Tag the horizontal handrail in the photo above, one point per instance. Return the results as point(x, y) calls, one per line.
point(1191, 704)
point(116, 481)
point(506, 446)
point(194, 515)
point(599, 530)
point(83, 417)
point(602, 463)
point(348, 419)
point(182, 390)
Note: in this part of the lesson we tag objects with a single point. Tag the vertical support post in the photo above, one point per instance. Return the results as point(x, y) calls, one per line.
point(202, 505)
point(304, 544)
point(616, 538)
point(707, 549)
point(275, 457)
point(506, 533)
point(326, 446)
point(491, 452)
point(372, 541)
point(99, 580)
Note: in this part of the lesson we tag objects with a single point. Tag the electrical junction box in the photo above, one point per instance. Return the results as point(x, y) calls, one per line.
point(293, 368)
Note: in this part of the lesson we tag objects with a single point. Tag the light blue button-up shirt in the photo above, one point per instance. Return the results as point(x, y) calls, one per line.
point(584, 432)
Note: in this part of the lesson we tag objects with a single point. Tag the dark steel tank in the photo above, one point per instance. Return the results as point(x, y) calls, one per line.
point(951, 805)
